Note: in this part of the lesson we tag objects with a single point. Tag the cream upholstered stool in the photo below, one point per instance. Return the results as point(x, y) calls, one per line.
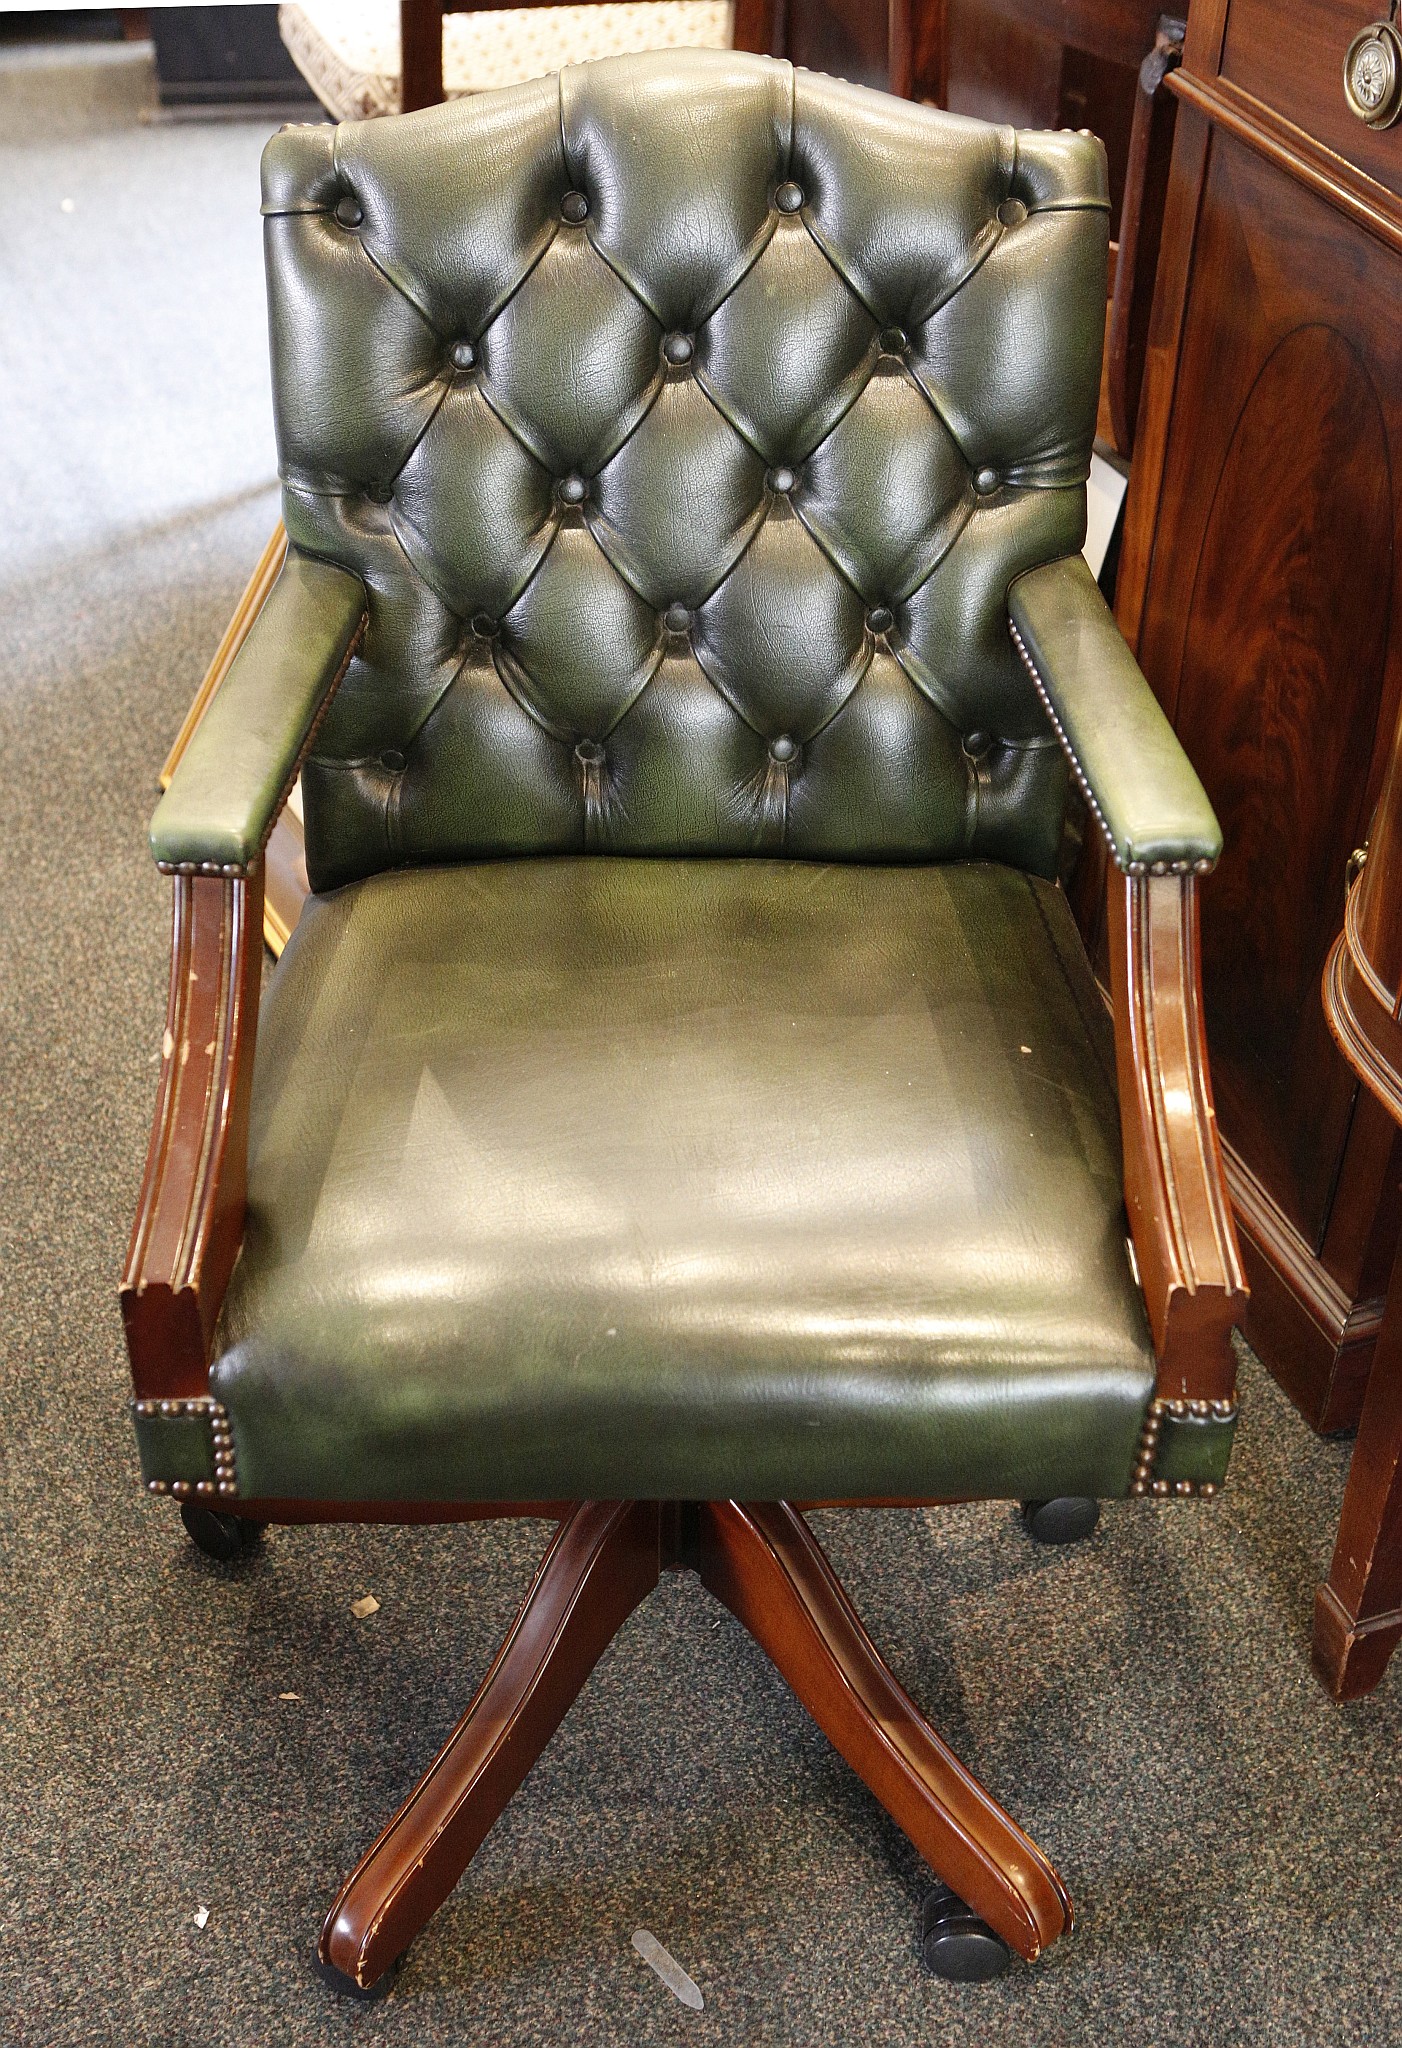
point(348, 50)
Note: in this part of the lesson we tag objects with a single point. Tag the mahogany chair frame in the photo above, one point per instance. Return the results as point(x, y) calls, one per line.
point(759, 1559)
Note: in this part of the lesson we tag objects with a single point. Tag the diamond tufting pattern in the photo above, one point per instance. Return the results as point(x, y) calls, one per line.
point(687, 418)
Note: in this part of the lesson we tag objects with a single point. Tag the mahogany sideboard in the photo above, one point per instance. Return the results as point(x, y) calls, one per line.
point(1358, 1610)
point(1259, 585)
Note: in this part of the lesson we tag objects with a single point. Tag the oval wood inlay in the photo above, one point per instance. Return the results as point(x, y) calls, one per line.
point(1281, 679)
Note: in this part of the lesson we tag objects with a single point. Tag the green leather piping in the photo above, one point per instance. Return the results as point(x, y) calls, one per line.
point(239, 766)
point(1126, 756)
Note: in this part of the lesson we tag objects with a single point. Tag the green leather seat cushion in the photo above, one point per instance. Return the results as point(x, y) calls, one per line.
point(598, 1176)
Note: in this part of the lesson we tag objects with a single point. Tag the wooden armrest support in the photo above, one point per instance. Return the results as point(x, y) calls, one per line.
point(189, 1220)
point(1180, 1214)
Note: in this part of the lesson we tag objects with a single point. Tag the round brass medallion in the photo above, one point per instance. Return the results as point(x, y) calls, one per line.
point(1373, 75)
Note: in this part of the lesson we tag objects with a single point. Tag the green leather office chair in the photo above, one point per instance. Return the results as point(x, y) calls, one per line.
point(685, 1096)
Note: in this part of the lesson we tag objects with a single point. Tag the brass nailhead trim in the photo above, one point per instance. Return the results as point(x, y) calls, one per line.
point(239, 871)
point(232, 871)
point(225, 1480)
point(1144, 1481)
point(1130, 867)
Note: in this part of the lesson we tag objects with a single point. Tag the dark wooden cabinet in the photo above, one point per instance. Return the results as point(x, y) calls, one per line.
point(1261, 583)
point(1074, 64)
point(1358, 1610)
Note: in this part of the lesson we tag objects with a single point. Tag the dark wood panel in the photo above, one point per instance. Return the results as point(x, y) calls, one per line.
point(1068, 65)
point(1298, 70)
point(1267, 632)
point(1118, 30)
point(1001, 69)
point(847, 38)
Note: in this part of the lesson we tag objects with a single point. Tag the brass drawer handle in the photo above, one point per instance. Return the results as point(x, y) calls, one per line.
point(1373, 74)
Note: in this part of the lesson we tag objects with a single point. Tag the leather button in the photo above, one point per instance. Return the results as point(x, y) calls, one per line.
point(986, 482)
point(349, 212)
point(590, 754)
point(789, 197)
point(574, 207)
point(572, 489)
point(676, 618)
point(464, 355)
point(781, 480)
point(677, 348)
point(485, 626)
point(392, 760)
point(783, 749)
point(894, 341)
point(1012, 213)
point(881, 618)
point(379, 494)
point(976, 743)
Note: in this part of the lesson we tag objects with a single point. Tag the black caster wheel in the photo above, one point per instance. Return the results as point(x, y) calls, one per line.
point(222, 1537)
point(346, 1987)
point(956, 1944)
point(1068, 1520)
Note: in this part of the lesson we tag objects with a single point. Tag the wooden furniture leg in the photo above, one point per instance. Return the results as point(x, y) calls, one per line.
point(766, 1566)
point(1358, 1609)
point(603, 1561)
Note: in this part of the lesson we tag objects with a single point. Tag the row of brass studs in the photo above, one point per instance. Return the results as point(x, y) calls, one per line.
point(239, 871)
point(231, 871)
point(225, 1480)
point(1131, 867)
point(1144, 1481)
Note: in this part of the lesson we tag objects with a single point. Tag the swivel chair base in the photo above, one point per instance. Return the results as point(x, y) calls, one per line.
point(763, 1563)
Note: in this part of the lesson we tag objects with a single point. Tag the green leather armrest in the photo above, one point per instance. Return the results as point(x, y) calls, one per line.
point(240, 763)
point(1136, 777)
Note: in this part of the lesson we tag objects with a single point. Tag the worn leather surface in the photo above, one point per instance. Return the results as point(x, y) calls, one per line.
point(621, 1177)
point(229, 781)
point(1194, 1448)
point(1152, 805)
point(687, 418)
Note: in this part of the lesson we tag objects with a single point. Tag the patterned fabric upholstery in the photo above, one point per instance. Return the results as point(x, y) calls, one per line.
point(687, 418)
point(348, 50)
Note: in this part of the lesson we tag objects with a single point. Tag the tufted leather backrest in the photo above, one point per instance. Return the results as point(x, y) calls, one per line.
point(687, 418)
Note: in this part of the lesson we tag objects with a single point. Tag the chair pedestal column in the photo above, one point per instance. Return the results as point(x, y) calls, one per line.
point(764, 1564)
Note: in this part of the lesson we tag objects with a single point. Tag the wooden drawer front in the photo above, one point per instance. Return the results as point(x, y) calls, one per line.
point(1295, 65)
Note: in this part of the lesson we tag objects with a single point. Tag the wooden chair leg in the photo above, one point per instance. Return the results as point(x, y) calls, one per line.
point(1358, 1609)
point(765, 1565)
point(601, 1563)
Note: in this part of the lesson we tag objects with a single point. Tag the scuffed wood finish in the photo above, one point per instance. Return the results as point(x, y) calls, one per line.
point(603, 1561)
point(1260, 586)
point(764, 1564)
point(286, 887)
point(189, 1219)
point(1175, 1189)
